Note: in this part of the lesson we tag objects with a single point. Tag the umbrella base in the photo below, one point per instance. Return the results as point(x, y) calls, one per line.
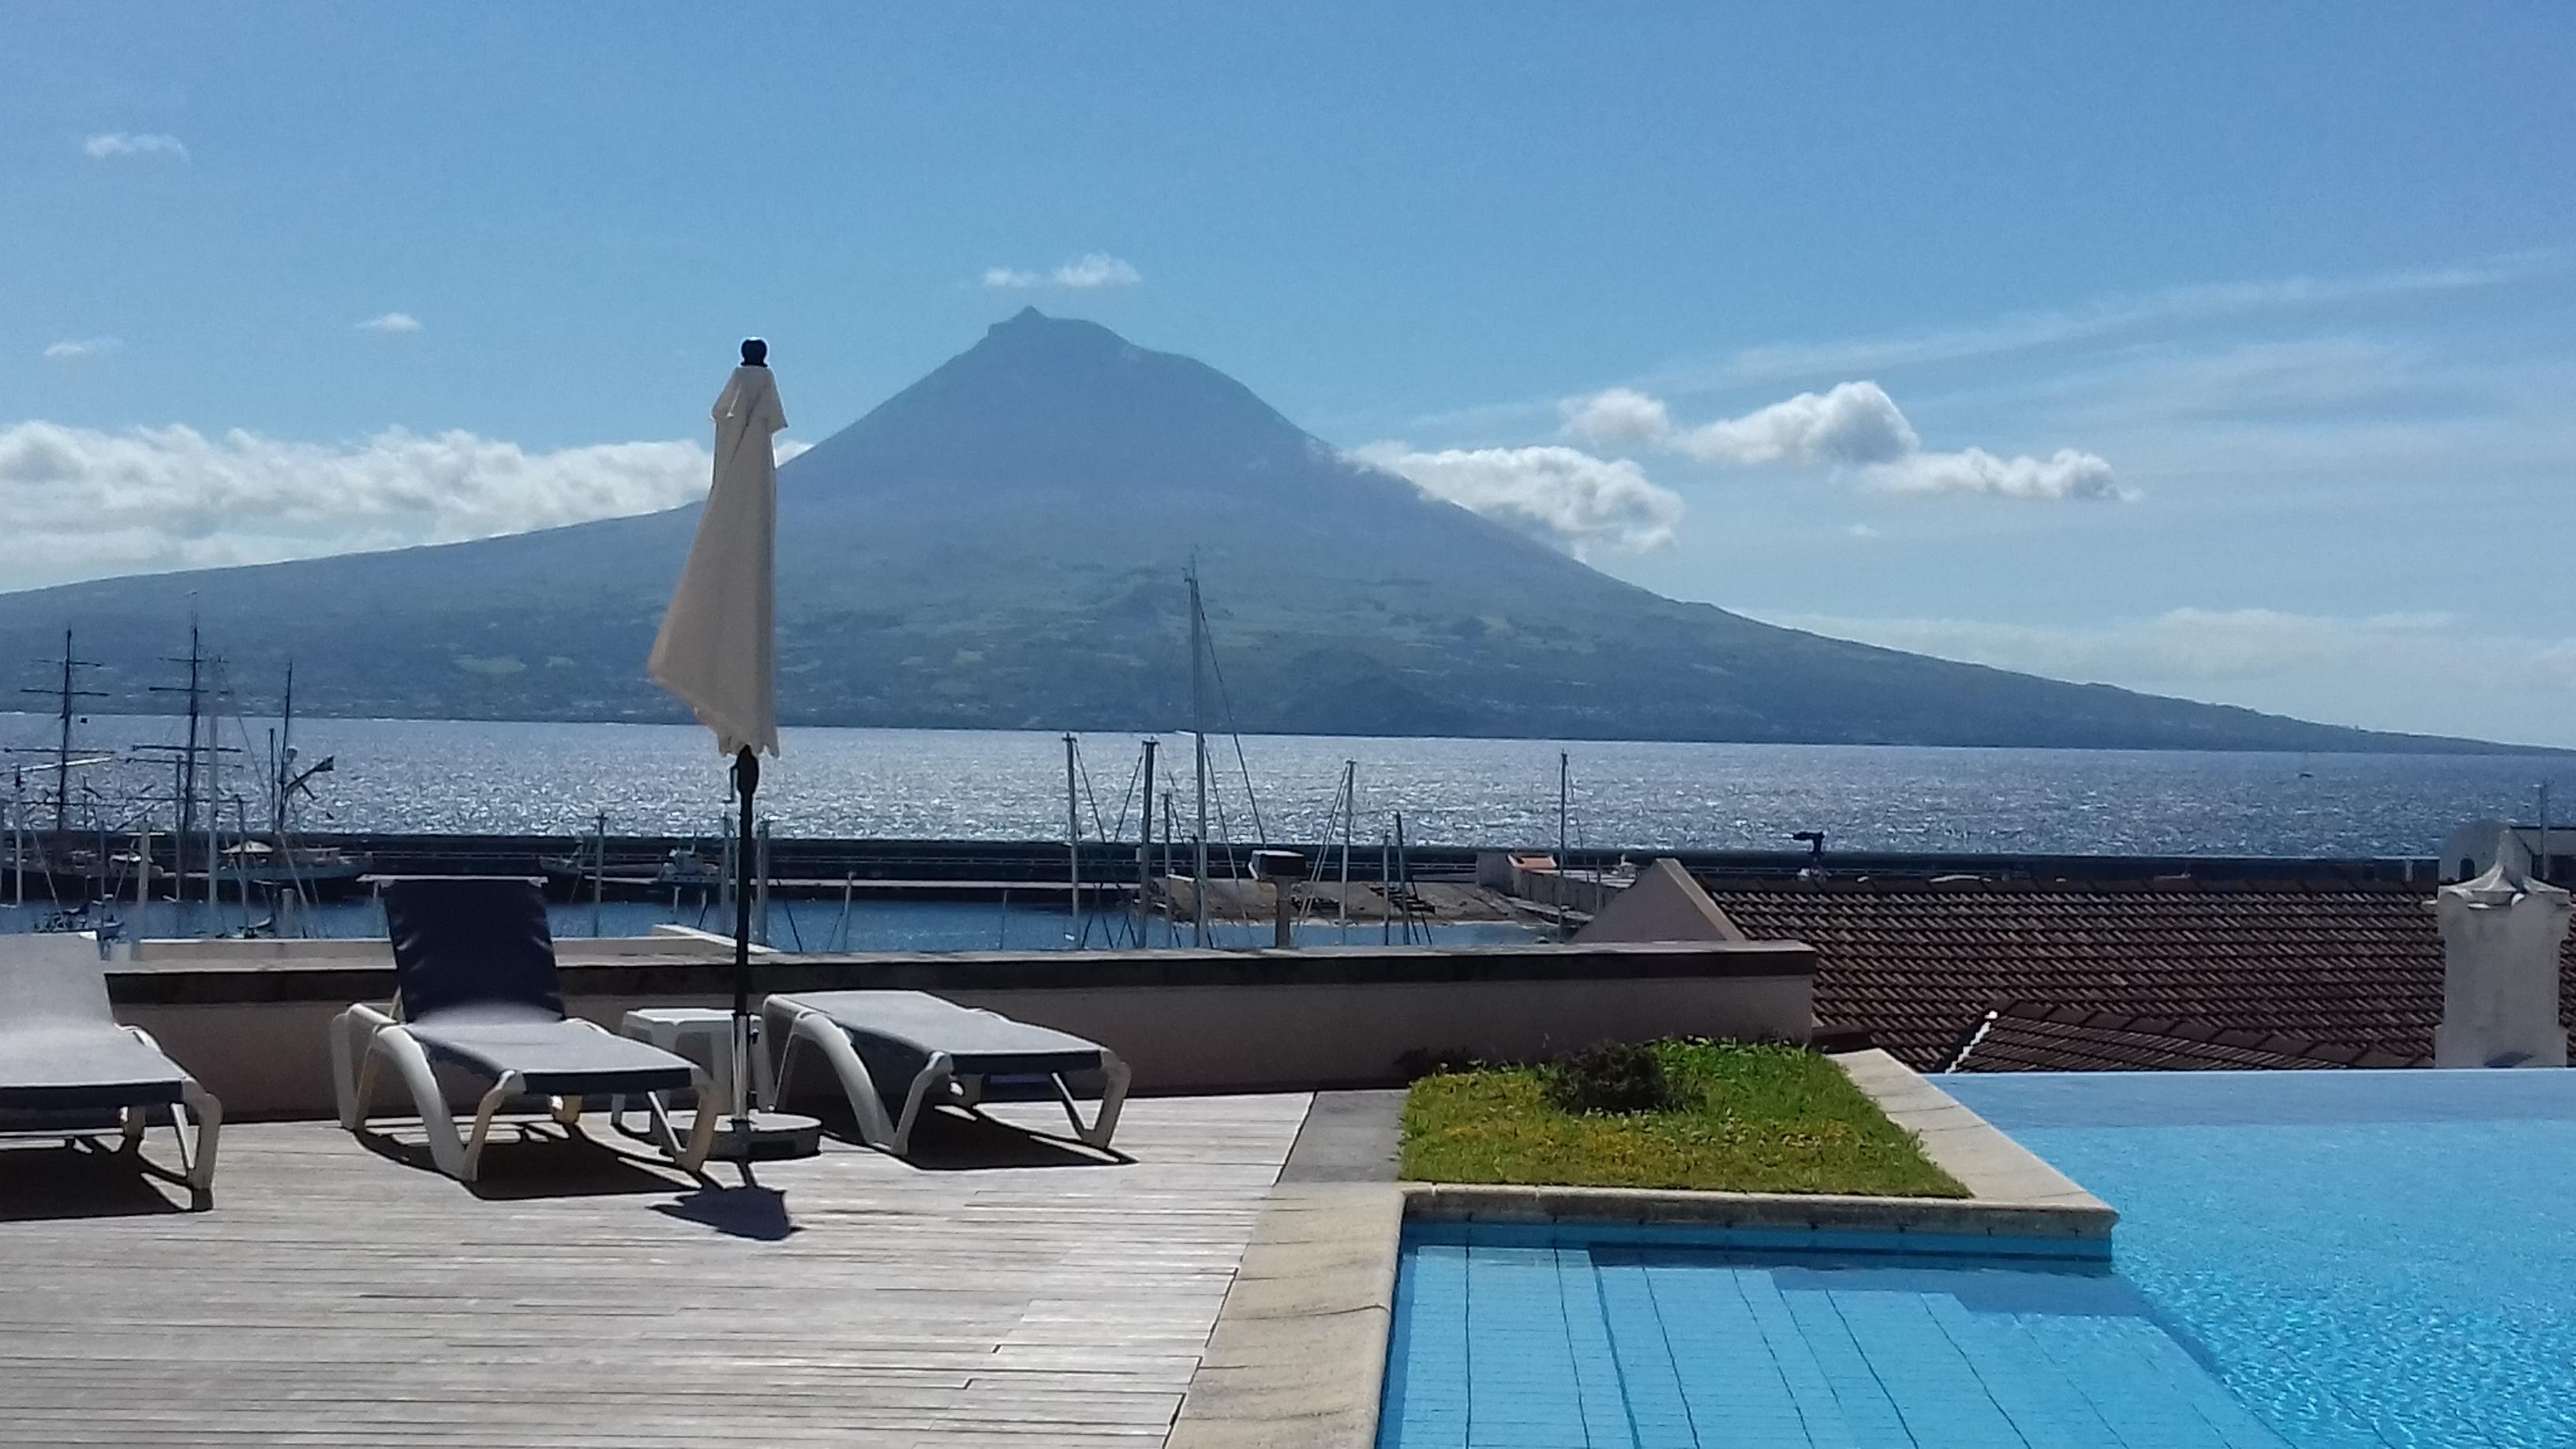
point(764, 1137)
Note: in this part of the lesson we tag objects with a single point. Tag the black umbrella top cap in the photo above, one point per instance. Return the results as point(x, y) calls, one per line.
point(755, 353)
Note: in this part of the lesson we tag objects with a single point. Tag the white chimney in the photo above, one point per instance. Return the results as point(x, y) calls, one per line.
point(2500, 938)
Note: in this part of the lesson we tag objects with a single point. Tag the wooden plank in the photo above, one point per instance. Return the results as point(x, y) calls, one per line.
point(338, 1296)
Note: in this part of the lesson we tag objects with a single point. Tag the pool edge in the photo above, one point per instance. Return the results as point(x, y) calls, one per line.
point(1298, 1351)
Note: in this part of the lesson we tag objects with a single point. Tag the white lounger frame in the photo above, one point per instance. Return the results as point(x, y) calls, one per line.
point(197, 1158)
point(362, 1036)
point(196, 1149)
point(937, 1082)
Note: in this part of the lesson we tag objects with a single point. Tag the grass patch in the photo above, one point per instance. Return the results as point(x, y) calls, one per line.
point(1749, 1119)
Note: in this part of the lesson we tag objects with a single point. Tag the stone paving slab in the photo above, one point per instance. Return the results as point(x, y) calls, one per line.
point(1989, 1164)
point(1299, 1352)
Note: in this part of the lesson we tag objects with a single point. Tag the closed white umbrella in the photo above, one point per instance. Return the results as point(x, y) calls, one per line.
point(718, 651)
point(718, 648)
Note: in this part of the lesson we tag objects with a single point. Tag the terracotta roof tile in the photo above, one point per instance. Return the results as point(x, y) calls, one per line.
point(1917, 966)
point(2032, 1037)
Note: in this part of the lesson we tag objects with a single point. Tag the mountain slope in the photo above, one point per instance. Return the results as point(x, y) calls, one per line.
point(1000, 545)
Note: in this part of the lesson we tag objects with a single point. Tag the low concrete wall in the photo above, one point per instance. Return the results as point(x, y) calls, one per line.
point(1187, 1021)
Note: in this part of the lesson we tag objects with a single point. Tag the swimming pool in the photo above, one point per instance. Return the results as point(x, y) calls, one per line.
point(1545, 1339)
point(2366, 1259)
point(2316, 1260)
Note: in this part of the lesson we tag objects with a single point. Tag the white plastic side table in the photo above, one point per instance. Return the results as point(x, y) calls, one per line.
point(704, 1035)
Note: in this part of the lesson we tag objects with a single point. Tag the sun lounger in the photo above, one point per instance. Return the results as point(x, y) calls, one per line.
point(898, 1053)
point(475, 989)
point(68, 1068)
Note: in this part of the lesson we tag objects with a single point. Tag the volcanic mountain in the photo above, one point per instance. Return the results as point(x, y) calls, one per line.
point(1001, 545)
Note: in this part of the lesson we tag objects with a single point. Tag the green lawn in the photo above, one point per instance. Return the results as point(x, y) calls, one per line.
point(1753, 1119)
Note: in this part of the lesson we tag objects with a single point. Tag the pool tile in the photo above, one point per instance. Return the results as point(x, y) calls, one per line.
point(1544, 1341)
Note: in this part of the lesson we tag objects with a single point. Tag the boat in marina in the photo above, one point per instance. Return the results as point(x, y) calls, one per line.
point(587, 873)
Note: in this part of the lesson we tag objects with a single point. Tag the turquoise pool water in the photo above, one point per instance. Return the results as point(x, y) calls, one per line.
point(2368, 1260)
point(1540, 1340)
point(2316, 1260)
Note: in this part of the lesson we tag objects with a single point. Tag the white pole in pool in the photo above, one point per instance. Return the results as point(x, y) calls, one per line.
point(1564, 864)
point(1198, 741)
point(2544, 830)
point(214, 827)
point(1342, 910)
point(1171, 829)
point(1386, 890)
point(760, 898)
point(598, 872)
point(1145, 847)
point(1073, 849)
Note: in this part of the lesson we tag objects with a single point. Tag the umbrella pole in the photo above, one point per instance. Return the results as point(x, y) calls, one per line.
point(746, 783)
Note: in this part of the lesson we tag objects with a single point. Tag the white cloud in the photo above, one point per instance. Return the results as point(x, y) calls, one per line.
point(2065, 473)
point(1856, 422)
point(1853, 427)
point(1097, 269)
point(78, 349)
point(1619, 416)
point(84, 503)
point(1563, 496)
point(1862, 530)
point(1083, 273)
point(111, 145)
point(391, 323)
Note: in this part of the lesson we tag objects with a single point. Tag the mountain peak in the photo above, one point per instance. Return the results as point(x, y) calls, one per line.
point(1026, 317)
point(1031, 328)
point(1052, 402)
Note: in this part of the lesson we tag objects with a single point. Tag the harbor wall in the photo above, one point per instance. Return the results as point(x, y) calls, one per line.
point(255, 1028)
point(1046, 862)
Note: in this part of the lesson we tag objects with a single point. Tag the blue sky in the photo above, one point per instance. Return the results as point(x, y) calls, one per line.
point(2258, 323)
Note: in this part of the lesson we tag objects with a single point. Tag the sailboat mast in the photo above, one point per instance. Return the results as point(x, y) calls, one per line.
point(285, 750)
point(67, 694)
point(63, 748)
point(1198, 740)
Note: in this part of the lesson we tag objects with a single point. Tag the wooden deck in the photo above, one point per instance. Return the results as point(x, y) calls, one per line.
point(1003, 1293)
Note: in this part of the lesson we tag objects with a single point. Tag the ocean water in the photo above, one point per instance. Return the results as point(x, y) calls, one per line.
point(2368, 1260)
point(468, 776)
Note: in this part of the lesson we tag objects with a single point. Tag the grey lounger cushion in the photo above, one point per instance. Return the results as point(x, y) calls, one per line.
point(555, 1057)
point(895, 1033)
point(475, 968)
point(60, 1046)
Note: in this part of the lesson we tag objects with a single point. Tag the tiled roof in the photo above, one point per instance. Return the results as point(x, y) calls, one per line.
point(2036, 1037)
point(1917, 965)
